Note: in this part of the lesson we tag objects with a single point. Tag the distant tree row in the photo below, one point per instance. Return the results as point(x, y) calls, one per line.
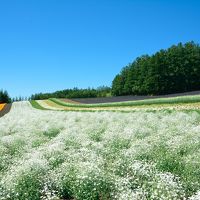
point(20, 98)
point(174, 70)
point(102, 91)
point(4, 97)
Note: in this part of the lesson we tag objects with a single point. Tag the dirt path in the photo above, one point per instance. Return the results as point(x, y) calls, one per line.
point(5, 110)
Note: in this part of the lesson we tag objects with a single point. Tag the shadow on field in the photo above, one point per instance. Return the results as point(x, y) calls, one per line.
point(5, 110)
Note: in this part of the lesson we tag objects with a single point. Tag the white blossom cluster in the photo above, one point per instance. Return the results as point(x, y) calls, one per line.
point(54, 155)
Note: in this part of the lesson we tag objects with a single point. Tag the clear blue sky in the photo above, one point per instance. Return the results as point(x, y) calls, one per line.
point(48, 45)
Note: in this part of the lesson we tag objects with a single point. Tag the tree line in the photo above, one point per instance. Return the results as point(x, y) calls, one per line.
point(176, 69)
point(101, 91)
point(4, 97)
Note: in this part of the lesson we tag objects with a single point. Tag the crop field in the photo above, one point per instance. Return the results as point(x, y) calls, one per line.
point(156, 101)
point(142, 155)
point(126, 98)
point(174, 103)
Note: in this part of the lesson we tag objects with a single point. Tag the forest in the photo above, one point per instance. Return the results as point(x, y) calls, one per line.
point(4, 97)
point(102, 91)
point(174, 70)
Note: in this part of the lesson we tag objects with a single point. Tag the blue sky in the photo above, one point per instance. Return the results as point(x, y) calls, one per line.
point(48, 45)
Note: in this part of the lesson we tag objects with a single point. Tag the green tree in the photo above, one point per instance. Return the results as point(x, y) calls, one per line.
point(176, 69)
point(4, 97)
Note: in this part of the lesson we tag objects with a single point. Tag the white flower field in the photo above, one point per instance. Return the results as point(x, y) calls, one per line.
point(62, 155)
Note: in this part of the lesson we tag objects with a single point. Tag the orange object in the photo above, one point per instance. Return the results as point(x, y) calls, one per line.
point(2, 105)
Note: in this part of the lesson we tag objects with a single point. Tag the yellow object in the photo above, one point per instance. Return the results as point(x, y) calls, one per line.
point(2, 105)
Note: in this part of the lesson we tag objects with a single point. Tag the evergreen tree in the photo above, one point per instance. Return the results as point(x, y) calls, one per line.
point(176, 69)
point(4, 97)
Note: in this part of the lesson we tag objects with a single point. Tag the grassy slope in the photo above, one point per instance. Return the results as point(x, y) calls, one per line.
point(174, 100)
point(37, 105)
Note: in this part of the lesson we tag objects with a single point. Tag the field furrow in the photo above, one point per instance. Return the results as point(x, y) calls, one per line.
point(60, 105)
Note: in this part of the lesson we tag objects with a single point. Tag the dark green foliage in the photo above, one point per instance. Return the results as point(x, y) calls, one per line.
point(51, 133)
point(102, 91)
point(174, 70)
point(4, 97)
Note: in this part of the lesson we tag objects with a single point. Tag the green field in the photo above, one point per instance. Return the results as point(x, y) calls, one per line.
point(36, 105)
point(174, 100)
